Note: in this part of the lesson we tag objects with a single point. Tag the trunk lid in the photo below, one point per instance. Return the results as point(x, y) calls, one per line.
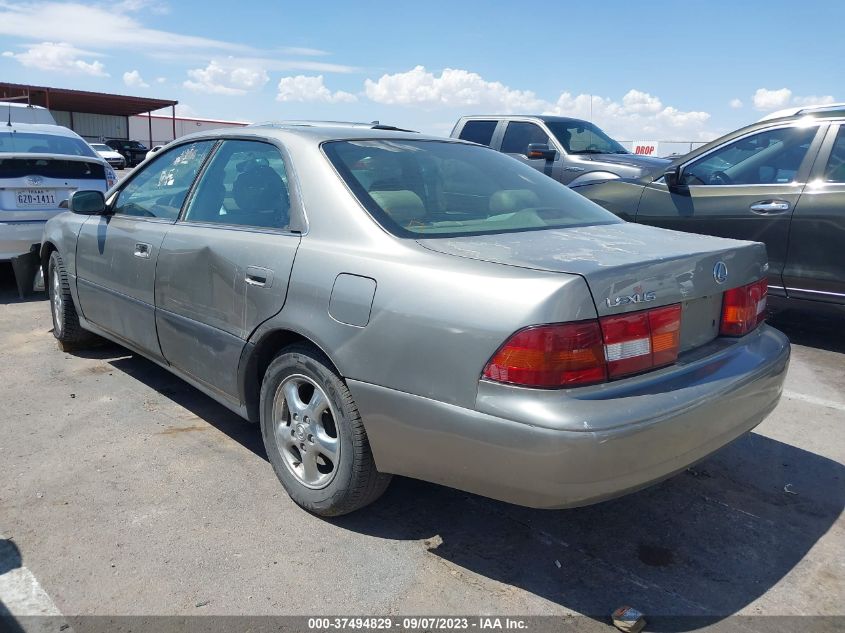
point(629, 267)
point(32, 186)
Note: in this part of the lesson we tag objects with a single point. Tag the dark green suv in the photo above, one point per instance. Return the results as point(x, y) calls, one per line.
point(779, 181)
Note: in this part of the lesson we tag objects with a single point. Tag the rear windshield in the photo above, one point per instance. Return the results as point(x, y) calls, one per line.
point(439, 189)
point(34, 143)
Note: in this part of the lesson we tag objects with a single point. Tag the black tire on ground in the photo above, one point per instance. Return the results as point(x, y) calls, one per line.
point(66, 328)
point(356, 481)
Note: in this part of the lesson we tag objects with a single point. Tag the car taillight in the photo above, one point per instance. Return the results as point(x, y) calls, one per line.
point(643, 340)
point(588, 352)
point(561, 355)
point(744, 308)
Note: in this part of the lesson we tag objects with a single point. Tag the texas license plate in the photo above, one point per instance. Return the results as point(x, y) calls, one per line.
point(36, 198)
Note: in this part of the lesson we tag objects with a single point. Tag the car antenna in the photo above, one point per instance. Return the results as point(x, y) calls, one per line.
point(9, 117)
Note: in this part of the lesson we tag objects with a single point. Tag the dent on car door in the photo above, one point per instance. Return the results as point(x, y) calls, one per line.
point(745, 189)
point(224, 266)
point(815, 263)
point(116, 253)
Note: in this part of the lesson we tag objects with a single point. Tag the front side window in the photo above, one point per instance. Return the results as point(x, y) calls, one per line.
point(520, 134)
point(245, 184)
point(835, 169)
point(160, 188)
point(769, 157)
point(439, 189)
point(581, 137)
point(480, 132)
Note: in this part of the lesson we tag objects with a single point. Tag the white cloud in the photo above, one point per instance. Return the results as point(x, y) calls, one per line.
point(637, 113)
point(97, 26)
point(133, 79)
point(453, 88)
point(302, 88)
point(61, 57)
point(161, 80)
point(226, 80)
point(736, 104)
point(813, 100)
point(767, 100)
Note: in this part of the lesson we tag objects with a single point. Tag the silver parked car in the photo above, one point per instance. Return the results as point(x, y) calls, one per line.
point(385, 302)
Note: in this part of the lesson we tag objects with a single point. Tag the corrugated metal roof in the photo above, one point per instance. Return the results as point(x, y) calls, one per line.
point(83, 101)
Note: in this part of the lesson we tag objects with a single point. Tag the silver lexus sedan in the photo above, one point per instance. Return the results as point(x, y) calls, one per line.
point(381, 302)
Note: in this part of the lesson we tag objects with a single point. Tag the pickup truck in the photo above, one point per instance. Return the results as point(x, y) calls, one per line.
point(571, 151)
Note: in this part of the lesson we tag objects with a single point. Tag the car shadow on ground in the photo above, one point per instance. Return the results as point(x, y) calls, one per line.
point(822, 330)
point(702, 545)
point(688, 552)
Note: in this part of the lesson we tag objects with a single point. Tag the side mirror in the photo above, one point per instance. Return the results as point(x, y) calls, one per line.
point(87, 203)
point(672, 177)
point(540, 150)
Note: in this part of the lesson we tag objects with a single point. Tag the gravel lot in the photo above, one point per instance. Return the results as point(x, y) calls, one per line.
point(125, 491)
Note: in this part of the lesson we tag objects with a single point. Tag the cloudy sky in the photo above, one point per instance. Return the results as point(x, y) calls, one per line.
point(642, 70)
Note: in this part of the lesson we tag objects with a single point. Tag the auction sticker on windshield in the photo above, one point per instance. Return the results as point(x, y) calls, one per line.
point(36, 198)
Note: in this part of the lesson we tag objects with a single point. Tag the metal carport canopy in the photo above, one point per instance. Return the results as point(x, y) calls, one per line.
point(81, 100)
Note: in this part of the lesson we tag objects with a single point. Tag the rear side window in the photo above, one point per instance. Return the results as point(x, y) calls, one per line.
point(520, 134)
point(479, 131)
point(245, 184)
point(835, 169)
point(160, 188)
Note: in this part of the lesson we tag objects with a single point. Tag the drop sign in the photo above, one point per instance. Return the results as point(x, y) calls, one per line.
point(645, 148)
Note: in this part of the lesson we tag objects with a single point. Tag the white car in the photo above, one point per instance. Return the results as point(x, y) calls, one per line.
point(153, 152)
point(113, 158)
point(41, 166)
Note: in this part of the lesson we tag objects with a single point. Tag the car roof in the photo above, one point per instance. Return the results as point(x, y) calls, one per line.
point(546, 118)
point(822, 109)
point(318, 132)
point(373, 125)
point(40, 128)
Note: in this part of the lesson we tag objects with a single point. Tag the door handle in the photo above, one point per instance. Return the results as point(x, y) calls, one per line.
point(142, 250)
point(257, 276)
point(770, 207)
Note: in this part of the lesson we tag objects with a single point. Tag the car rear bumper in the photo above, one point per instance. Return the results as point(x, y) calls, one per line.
point(17, 238)
point(557, 449)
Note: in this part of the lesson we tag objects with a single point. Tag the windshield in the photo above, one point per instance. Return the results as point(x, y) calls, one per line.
point(580, 137)
point(34, 143)
point(439, 189)
point(101, 148)
point(134, 145)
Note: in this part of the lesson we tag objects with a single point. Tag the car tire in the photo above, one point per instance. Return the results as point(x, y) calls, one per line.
point(324, 459)
point(66, 328)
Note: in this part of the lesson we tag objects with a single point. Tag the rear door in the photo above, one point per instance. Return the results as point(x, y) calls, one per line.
point(224, 266)
point(116, 254)
point(815, 262)
point(746, 189)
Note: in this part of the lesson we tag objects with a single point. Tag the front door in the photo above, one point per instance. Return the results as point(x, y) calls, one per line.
point(746, 189)
point(116, 253)
point(815, 263)
point(224, 266)
point(519, 135)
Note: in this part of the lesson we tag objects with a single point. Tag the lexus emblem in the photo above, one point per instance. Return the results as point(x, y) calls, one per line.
point(720, 272)
point(34, 180)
